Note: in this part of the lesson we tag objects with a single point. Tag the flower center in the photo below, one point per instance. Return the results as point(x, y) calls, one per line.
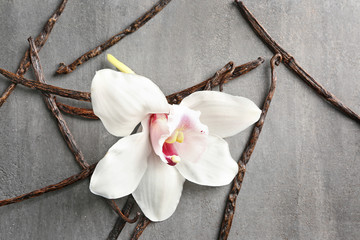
point(169, 149)
point(177, 136)
point(176, 133)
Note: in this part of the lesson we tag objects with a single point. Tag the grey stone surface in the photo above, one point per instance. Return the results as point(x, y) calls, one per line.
point(303, 179)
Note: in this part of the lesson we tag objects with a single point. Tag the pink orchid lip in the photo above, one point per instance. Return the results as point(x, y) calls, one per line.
point(173, 135)
point(168, 150)
point(170, 153)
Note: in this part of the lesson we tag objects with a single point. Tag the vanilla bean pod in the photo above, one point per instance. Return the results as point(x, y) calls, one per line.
point(291, 64)
point(216, 80)
point(53, 187)
point(51, 105)
point(120, 223)
point(121, 214)
point(227, 75)
point(245, 157)
point(83, 96)
point(140, 227)
point(39, 41)
point(81, 112)
point(138, 23)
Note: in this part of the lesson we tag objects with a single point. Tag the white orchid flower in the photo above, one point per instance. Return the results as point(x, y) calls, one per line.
point(177, 142)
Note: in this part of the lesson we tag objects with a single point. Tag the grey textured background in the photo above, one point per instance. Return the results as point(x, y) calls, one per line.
point(303, 179)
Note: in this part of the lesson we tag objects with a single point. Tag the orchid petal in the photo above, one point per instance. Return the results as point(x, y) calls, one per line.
point(215, 168)
point(159, 191)
point(122, 100)
point(224, 114)
point(119, 173)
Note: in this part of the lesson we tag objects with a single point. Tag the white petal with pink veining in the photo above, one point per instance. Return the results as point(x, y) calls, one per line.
point(122, 100)
point(159, 191)
point(224, 114)
point(215, 168)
